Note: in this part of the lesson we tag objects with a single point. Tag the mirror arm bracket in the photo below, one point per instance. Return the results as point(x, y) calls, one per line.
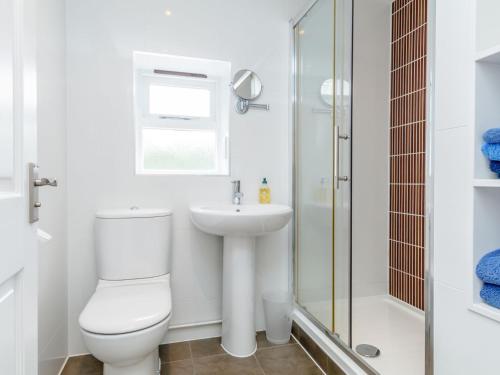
point(243, 105)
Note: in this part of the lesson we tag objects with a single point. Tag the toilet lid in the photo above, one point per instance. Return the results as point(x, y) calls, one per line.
point(126, 308)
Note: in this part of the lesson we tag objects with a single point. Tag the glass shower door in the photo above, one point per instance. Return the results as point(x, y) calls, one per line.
point(322, 167)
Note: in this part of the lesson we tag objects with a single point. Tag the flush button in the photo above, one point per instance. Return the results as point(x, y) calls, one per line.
point(134, 208)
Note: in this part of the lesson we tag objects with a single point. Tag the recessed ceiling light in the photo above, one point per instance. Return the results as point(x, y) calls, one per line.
point(168, 12)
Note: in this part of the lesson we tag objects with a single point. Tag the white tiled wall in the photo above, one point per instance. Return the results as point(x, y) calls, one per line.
point(454, 87)
point(452, 206)
point(370, 148)
point(101, 38)
point(465, 342)
point(52, 296)
point(488, 30)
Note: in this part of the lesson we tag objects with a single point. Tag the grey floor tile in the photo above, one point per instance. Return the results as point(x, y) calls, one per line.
point(206, 347)
point(286, 360)
point(175, 352)
point(210, 359)
point(224, 364)
point(83, 365)
point(178, 368)
point(262, 342)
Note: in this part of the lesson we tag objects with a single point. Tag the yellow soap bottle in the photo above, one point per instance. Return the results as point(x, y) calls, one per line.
point(264, 192)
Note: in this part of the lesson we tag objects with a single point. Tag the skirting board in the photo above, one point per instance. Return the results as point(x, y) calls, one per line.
point(193, 333)
point(184, 334)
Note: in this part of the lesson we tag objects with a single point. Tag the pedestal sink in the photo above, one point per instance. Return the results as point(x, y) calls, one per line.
point(239, 224)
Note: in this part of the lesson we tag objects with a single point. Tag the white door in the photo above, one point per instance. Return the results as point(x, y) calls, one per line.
point(18, 244)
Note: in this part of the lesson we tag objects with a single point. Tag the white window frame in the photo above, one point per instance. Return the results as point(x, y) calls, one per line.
point(217, 84)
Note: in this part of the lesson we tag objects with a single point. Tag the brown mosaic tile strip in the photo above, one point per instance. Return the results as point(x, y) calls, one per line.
point(407, 150)
point(407, 288)
point(408, 229)
point(408, 78)
point(408, 109)
point(409, 47)
point(407, 198)
point(408, 139)
point(398, 4)
point(407, 169)
point(407, 17)
point(407, 258)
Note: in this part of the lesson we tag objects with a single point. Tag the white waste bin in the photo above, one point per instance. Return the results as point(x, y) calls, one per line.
point(277, 309)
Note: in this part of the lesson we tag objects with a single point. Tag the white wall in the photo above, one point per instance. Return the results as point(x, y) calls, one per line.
point(464, 341)
point(101, 39)
point(52, 302)
point(370, 146)
point(488, 30)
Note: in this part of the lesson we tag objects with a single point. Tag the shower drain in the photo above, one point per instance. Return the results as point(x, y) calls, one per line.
point(367, 350)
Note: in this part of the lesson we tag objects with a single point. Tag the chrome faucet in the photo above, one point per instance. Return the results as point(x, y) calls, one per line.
point(237, 194)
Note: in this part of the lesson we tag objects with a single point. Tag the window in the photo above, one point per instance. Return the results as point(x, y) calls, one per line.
point(180, 101)
point(181, 115)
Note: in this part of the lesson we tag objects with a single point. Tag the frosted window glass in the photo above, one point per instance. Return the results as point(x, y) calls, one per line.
point(179, 150)
point(179, 101)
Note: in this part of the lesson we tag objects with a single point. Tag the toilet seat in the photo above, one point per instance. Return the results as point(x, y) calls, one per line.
point(120, 307)
point(128, 353)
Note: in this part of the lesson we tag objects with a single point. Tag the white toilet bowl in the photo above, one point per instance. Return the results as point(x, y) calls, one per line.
point(133, 353)
point(124, 322)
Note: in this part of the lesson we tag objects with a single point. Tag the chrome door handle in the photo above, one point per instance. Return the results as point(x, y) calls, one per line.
point(34, 183)
point(45, 182)
point(336, 163)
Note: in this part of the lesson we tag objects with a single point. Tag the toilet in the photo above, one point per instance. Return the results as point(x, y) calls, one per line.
point(127, 317)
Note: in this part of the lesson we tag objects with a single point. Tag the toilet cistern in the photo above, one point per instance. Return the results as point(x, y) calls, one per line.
point(237, 194)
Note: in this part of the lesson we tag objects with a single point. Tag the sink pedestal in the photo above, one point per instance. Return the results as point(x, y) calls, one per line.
point(239, 225)
point(238, 296)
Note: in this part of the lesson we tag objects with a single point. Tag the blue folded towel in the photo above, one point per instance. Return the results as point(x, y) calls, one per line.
point(488, 268)
point(491, 151)
point(495, 166)
point(492, 135)
point(491, 295)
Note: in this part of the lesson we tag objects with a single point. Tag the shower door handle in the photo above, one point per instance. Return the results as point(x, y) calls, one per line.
point(336, 163)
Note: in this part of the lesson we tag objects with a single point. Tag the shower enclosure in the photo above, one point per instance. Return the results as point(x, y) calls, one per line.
point(322, 149)
point(359, 102)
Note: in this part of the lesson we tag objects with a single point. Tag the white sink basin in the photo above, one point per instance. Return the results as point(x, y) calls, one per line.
point(239, 225)
point(244, 220)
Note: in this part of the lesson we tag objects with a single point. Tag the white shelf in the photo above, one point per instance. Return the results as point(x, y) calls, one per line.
point(486, 310)
point(490, 55)
point(486, 195)
point(486, 182)
point(486, 238)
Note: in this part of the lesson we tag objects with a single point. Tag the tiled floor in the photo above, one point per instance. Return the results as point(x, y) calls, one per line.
point(206, 357)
